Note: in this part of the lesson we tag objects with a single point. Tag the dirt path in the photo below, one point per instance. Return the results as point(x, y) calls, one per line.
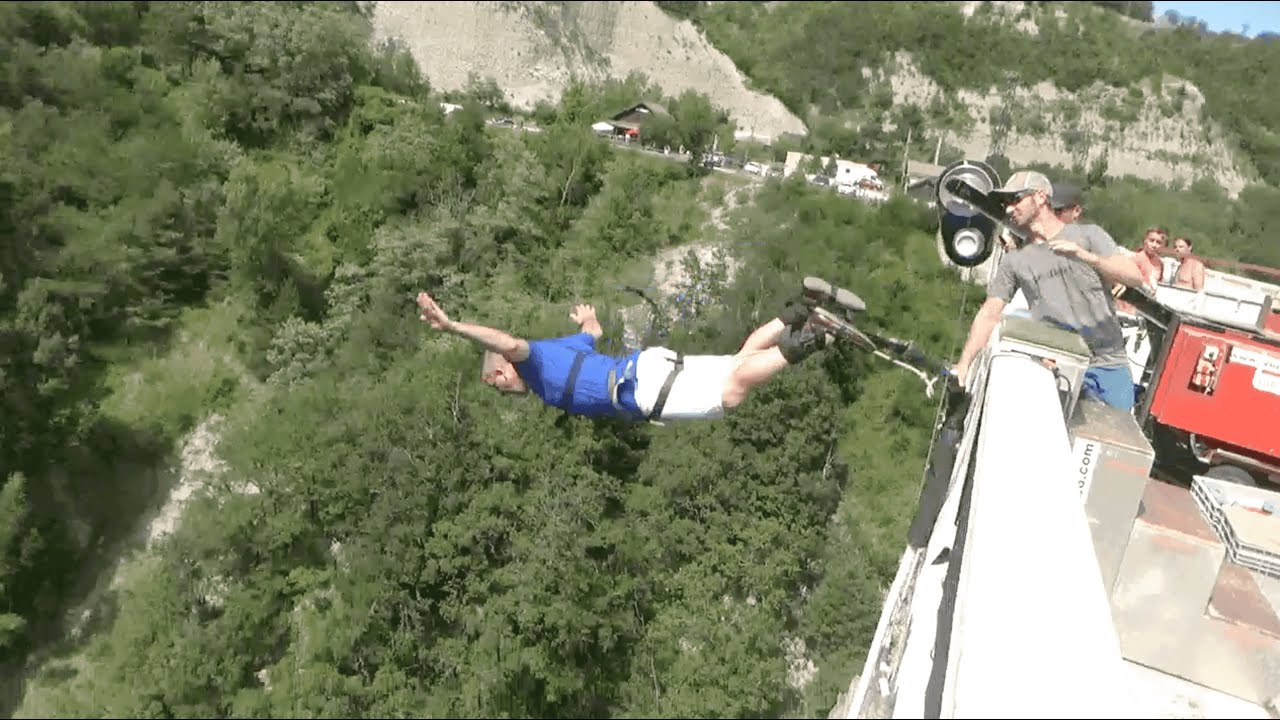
point(672, 282)
point(196, 466)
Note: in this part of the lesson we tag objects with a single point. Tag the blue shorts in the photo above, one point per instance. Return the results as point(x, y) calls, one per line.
point(1112, 385)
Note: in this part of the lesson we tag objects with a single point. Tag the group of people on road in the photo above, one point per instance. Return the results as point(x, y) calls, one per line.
point(1066, 270)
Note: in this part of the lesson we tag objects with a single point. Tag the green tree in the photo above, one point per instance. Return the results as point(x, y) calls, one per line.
point(695, 123)
point(13, 513)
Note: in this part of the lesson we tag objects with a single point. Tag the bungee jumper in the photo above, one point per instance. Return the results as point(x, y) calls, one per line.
point(655, 383)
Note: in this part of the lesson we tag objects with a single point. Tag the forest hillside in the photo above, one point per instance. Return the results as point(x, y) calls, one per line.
point(239, 477)
point(219, 214)
point(1099, 86)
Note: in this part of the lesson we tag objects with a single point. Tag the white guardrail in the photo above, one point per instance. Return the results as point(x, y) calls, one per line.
point(1003, 612)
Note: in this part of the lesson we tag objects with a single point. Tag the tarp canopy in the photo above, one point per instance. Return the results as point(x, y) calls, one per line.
point(847, 171)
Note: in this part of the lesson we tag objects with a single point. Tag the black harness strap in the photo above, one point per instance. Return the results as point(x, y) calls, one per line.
point(677, 366)
point(566, 399)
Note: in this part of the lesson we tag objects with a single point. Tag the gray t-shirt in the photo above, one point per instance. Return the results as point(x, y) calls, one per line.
point(1067, 292)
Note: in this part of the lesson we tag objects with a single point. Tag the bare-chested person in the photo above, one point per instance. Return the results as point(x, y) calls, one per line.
point(1190, 270)
point(1148, 256)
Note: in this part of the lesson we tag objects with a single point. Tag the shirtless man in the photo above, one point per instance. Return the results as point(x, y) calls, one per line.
point(1190, 270)
point(1148, 256)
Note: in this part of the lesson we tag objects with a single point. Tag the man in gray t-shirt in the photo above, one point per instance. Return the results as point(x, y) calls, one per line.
point(1064, 272)
point(1066, 292)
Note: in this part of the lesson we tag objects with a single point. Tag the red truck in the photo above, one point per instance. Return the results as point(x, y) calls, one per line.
point(1212, 390)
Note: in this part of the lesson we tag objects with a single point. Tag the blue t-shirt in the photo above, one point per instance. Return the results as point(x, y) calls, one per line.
point(546, 372)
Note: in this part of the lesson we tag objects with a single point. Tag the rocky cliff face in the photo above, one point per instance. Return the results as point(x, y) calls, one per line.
point(1155, 131)
point(532, 49)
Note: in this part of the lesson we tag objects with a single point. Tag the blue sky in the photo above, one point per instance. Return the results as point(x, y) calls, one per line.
point(1233, 16)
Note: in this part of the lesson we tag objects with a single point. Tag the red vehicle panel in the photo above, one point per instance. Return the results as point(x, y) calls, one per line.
point(1222, 385)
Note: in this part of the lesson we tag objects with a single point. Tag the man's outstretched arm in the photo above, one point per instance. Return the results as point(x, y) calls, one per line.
point(1104, 256)
point(979, 333)
point(1122, 269)
point(508, 346)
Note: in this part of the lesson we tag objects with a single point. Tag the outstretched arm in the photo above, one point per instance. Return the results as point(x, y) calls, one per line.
point(585, 315)
point(979, 333)
point(1120, 269)
point(512, 348)
point(1103, 256)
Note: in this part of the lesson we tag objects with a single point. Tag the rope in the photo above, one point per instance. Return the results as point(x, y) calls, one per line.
point(659, 323)
point(928, 382)
point(942, 397)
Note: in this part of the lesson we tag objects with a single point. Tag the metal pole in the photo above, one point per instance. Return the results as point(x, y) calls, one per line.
point(906, 149)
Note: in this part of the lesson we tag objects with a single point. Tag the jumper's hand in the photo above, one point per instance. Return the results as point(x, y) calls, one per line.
point(432, 314)
point(585, 315)
point(582, 314)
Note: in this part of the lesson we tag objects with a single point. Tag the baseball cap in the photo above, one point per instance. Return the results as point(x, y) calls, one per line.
point(1020, 183)
point(1065, 195)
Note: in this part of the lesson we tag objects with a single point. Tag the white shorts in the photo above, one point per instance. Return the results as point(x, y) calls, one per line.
point(698, 392)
